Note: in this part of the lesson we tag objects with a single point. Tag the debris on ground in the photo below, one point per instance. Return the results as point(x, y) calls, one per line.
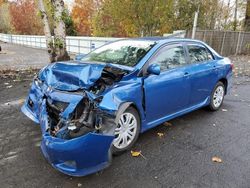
point(216, 159)
point(224, 110)
point(18, 75)
point(9, 86)
point(137, 154)
point(241, 65)
point(167, 124)
point(160, 134)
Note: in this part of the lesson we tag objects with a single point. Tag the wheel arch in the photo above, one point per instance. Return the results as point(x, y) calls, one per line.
point(123, 107)
point(225, 82)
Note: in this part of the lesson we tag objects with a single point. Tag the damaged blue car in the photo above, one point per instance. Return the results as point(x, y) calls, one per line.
point(97, 105)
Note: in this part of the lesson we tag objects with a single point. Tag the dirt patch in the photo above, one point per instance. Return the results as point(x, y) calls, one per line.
point(241, 65)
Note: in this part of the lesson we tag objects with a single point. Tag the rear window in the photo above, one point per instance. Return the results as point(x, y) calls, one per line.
point(198, 54)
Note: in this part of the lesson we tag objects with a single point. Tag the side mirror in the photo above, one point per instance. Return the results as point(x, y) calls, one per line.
point(154, 69)
point(79, 56)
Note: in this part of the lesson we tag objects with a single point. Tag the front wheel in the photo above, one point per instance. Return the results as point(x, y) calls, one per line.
point(127, 131)
point(217, 96)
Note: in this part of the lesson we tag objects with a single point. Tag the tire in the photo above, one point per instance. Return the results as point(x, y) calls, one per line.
point(217, 96)
point(125, 129)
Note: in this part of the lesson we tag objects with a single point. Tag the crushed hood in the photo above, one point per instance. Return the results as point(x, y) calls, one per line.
point(71, 76)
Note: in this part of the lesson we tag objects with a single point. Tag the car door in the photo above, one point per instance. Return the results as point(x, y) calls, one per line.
point(168, 92)
point(202, 73)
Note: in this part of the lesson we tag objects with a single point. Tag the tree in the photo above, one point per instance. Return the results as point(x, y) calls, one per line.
point(69, 24)
point(146, 17)
point(247, 17)
point(56, 45)
point(235, 15)
point(5, 26)
point(106, 23)
point(82, 15)
point(134, 18)
point(24, 17)
point(3, 1)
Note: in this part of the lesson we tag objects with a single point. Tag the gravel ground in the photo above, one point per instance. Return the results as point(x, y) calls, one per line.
point(241, 64)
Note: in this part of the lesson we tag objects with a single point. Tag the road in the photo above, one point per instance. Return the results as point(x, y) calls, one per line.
point(182, 157)
point(20, 57)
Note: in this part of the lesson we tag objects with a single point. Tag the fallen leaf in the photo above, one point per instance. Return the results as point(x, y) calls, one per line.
point(160, 134)
point(10, 86)
point(167, 124)
point(224, 110)
point(217, 159)
point(135, 153)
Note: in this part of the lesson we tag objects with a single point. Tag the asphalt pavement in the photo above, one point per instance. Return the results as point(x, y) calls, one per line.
point(180, 157)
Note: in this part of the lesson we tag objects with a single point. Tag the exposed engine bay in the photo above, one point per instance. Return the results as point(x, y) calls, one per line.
point(86, 117)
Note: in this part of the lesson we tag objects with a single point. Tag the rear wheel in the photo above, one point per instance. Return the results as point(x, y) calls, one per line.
point(127, 131)
point(217, 96)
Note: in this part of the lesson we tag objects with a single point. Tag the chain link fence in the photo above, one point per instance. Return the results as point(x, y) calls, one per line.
point(224, 42)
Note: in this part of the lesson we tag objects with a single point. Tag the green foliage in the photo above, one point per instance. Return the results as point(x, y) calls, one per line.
point(133, 18)
point(58, 43)
point(69, 24)
point(147, 17)
point(5, 26)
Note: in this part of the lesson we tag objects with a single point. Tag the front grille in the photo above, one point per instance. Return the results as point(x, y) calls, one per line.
point(54, 108)
point(60, 105)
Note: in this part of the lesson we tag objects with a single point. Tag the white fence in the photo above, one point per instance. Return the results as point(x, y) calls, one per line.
point(74, 44)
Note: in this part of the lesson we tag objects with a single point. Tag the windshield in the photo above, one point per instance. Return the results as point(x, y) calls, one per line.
point(125, 52)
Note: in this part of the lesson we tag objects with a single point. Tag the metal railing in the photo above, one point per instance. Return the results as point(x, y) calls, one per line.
point(74, 44)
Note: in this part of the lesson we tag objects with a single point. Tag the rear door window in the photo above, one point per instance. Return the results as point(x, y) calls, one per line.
point(198, 54)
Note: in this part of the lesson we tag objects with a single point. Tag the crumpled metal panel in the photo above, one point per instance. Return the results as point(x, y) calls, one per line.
point(69, 76)
point(76, 157)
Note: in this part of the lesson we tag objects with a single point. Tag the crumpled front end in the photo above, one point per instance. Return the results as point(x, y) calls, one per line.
point(71, 151)
point(76, 135)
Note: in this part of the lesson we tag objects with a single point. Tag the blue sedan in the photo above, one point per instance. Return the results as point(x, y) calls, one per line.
point(96, 106)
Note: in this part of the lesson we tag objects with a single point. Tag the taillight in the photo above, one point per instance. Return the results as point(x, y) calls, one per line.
point(232, 66)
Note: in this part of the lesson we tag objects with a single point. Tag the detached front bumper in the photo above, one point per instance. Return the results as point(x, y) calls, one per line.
point(80, 156)
point(76, 157)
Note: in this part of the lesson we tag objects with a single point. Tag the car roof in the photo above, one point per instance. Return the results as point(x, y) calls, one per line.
point(165, 39)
